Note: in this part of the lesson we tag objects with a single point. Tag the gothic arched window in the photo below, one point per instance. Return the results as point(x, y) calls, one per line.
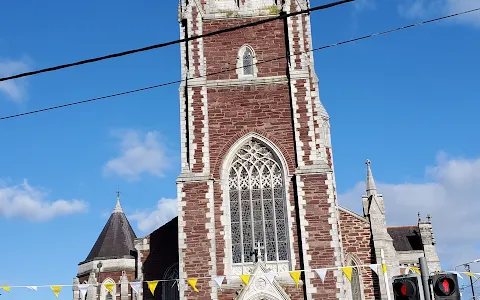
point(247, 61)
point(170, 287)
point(257, 204)
point(355, 283)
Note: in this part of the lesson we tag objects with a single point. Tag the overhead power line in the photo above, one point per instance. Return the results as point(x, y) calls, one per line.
point(161, 45)
point(228, 70)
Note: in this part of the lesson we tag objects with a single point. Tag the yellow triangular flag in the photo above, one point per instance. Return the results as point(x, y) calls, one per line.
point(470, 274)
point(56, 289)
point(109, 286)
point(245, 278)
point(152, 285)
point(417, 270)
point(384, 268)
point(348, 272)
point(7, 288)
point(193, 283)
point(295, 276)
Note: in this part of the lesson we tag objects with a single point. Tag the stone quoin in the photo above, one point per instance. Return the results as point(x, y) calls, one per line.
point(257, 173)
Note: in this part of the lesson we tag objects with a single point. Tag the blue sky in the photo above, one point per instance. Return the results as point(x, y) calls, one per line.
point(408, 101)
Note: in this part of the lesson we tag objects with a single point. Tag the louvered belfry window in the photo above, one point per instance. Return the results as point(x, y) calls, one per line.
point(257, 204)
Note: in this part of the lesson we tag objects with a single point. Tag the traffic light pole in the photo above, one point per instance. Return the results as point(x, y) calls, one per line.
point(425, 274)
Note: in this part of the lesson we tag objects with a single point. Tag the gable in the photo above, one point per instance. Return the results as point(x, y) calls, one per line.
point(261, 288)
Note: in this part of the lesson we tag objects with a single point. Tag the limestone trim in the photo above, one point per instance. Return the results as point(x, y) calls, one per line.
point(108, 265)
point(302, 203)
point(181, 237)
point(210, 215)
point(230, 268)
point(353, 214)
point(241, 81)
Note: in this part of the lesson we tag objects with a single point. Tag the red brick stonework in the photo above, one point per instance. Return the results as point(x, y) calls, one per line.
point(356, 238)
point(225, 108)
point(197, 252)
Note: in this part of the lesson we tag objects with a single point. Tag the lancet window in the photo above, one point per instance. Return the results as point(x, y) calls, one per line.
point(170, 287)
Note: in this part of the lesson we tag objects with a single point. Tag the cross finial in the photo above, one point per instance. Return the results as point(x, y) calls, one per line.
point(419, 218)
point(257, 252)
point(118, 207)
point(428, 218)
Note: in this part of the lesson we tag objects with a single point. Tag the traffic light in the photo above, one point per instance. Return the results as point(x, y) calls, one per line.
point(445, 287)
point(407, 287)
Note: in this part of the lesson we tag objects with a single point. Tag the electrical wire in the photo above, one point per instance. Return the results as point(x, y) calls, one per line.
point(228, 70)
point(161, 45)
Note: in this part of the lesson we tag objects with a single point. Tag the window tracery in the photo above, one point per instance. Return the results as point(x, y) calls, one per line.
point(257, 205)
point(170, 287)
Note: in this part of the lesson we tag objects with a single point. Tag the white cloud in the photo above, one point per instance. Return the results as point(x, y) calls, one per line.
point(450, 194)
point(27, 202)
point(15, 90)
point(139, 153)
point(361, 5)
point(148, 221)
point(434, 8)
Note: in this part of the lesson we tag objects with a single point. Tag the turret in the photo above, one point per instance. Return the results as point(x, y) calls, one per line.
point(110, 259)
point(428, 241)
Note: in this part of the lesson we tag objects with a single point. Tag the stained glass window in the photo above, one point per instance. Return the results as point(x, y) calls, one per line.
point(247, 62)
point(355, 284)
point(257, 205)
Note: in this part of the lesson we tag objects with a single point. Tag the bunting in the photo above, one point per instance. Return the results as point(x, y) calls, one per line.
point(270, 276)
point(193, 283)
point(296, 276)
point(56, 289)
point(83, 288)
point(136, 286)
point(322, 273)
point(374, 268)
point(348, 272)
point(152, 285)
point(245, 278)
point(109, 287)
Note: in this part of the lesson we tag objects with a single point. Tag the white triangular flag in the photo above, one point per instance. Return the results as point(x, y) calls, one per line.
point(374, 268)
point(135, 286)
point(321, 273)
point(83, 289)
point(457, 273)
point(32, 287)
point(270, 276)
point(219, 280)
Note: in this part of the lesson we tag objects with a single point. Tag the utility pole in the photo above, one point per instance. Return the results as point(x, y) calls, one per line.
point(467, 268)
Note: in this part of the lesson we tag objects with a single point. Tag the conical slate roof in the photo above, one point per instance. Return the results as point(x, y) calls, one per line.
point(116, 238)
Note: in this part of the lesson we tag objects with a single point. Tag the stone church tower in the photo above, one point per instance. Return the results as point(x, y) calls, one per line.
point(256, 192)
point(257, 163)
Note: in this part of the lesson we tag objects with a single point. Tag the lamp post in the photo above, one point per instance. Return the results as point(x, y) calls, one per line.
point(467, 268)
point(99, 267)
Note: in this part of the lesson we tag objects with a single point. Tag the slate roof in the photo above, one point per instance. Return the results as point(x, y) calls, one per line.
point(115, 240)
point(406, 238)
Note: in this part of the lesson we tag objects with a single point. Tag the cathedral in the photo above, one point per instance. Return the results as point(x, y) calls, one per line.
point(256, 192)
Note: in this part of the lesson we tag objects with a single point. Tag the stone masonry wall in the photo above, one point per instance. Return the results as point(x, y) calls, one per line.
point(220, 51)
point(356, 240)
